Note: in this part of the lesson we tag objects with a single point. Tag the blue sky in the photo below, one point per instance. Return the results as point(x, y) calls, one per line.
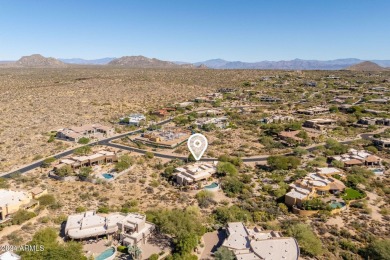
point(190, 30)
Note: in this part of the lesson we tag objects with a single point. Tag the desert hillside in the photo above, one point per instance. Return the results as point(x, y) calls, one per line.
point(37, 60)
point(365, 66)
point(142, 62)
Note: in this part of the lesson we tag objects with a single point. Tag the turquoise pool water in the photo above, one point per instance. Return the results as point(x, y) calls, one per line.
point(336, 205)
point(377, 171)
point(211, 186)
point(106, 254)
point(108, 176)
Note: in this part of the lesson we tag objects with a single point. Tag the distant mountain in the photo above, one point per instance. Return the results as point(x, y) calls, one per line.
point(102, 61)
point(143, 62)
point(215, 63)
point(365, 66)
point(37, 60)
point(296, 64)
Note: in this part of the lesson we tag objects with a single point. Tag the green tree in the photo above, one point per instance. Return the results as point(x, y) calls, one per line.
point(84, 150)
point(64, 171)
point(154, 257)
point(226, 168)
point(48, 239)
point(124, 162)
point(4, 183)
point(83, 140)
point(283, 162)
point(149, 155)
point(185, 243)
point(309, 243)
point(224, 254)
point(379, 249)
point(46, 163)
point(336, 147)
point(85, 172)
point(232, 186)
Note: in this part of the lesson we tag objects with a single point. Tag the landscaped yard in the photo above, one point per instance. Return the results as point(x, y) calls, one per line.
point(352, 194)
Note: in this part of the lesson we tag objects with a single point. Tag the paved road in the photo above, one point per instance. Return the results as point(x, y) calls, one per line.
point(108, 142)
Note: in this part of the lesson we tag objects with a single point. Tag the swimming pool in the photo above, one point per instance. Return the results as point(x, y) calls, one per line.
point(377, 171)
point(212, 187)
point(108, 175)
point(107, 254)
point(336, 204)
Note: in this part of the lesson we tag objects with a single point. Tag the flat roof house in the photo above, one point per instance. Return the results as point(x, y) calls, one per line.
point(131, 228)
point(383, 143)
point(251, 244)
point(320, 123)
point(270, 99)
point(190, 174)
point(94, 131)
point(12, 201)
point(314, 111)
point(97, 158)
point(133, 119)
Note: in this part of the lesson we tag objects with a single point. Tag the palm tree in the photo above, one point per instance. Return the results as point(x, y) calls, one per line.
point(134, 251)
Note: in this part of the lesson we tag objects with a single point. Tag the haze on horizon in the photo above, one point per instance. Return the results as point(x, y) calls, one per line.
point(195, 31)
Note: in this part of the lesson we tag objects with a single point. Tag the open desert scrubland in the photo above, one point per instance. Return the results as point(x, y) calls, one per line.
point(34, 101)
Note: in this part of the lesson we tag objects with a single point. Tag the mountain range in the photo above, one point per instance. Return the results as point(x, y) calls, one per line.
point(37, 60)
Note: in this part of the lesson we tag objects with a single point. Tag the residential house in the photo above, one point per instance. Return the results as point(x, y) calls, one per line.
point(131, 229)
point(357, 158)
point(219, 122)
point(12, 201)
point(313, 111)
point(382, 143)
point(277, 119)
point(91, 131)
point(97, 158)
point(9, 255)
point(133, 119)
point(212, 112)
point(252, 244)
point(270, 99)
point(314, 184)
point(169, 137)
point(320, 123)
point(185, 104)
point(196, 172)
point(161, 113)
point(37, 192)
point(226, 90)
point(374, 121)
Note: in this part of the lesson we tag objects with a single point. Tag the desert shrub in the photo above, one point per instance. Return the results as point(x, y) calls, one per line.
point(205, 198)
point(47, 200)
point(22, 216)
point(122, 249)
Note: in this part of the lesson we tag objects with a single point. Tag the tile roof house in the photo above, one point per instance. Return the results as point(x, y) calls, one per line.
point(357, 157)
point(312, 185)
point(251, 244)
